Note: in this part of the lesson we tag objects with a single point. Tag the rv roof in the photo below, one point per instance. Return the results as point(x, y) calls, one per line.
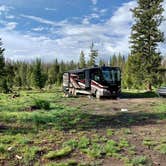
point(91, 68)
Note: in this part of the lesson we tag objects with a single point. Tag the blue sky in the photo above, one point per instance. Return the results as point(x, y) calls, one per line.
point(60, 29)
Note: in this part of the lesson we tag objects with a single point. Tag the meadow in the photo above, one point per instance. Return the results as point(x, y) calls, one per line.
point(46, 128)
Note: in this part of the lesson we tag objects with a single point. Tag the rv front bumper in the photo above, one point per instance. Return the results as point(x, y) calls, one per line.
point(109, 93)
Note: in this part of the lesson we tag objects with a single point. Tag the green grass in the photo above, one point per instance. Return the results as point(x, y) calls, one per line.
point(110, 132)
point(160, 108)
point(83, 143)
point(59, 153)
point(56, 132)
point(111, 148)
point(161, 148)
point(149, 142)
point(95, 151)
point(139, 161)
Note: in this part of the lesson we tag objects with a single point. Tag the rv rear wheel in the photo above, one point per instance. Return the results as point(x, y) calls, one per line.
point(74, 92)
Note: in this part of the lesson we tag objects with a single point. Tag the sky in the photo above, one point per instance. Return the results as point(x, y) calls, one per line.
point(50, 29)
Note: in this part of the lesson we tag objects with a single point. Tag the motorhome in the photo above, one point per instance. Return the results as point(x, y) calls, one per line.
point(97, 81)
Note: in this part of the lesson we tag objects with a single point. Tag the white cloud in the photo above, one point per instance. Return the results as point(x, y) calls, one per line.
point(3, 9)
point(163, 29)
point(10, 17)
point(94, 2)
point(86, 21)
point(44, 21)
point(50, 9)
point(38, 29)
point(11, 25)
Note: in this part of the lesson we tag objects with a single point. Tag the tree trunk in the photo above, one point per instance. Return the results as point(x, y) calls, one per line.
point(149, 87)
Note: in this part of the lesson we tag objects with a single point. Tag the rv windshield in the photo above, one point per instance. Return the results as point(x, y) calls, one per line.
point(111, 75)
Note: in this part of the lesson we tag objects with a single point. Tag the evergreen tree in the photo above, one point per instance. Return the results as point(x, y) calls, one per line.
point(9, 68)
point(114, 61)
point(145, 59)
point(53, 72)
point(39, 76)
point(93, 54)
point(82, 62)
point(101, 62)
point(2, 61)
point(3, 82)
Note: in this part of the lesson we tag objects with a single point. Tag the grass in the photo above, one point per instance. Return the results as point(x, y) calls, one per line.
point(59, 153)
point(58, 131)
point(83, 143)
point(139, 160)
point(111, 148)
point(161, 148)
point(149, 142)
point(109, 132)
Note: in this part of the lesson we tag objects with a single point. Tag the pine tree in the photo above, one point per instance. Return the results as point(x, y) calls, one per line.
point(114, 61)
point(145, 59)
point(2, 61)
point(3, 82)
point(39, 76)
point(53, 72)
point(101, 62)
point(93, 54)
point(82, 62)
point(9, 68)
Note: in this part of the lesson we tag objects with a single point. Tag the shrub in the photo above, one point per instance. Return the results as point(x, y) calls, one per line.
point(42, 104)
point(2, 148)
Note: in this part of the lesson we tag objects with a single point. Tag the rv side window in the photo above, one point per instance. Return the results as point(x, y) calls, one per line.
point(81, 76)
point(96, 76)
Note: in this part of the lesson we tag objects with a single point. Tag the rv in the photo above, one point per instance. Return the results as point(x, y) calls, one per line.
point(97, 81)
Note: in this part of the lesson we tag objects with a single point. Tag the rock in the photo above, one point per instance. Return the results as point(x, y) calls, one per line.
point(10, 148)
point(18, 157)
point(124, 110)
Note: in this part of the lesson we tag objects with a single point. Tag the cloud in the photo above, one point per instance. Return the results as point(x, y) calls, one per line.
point(38, 29)
point(94, 2)
point(10, 17)
point(11, 25)
point(50, 9)
point(163, 29)
point(4, 9)
point(95, 15)
point(44, 21)
point(87, 19)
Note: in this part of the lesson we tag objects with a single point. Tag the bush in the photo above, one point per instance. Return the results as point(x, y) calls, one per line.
point(42, 104)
